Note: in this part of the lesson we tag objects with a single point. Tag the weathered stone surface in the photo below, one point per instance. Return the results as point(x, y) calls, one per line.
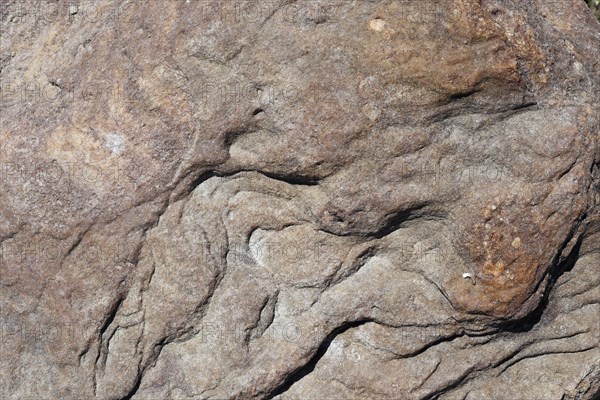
point(299, 200)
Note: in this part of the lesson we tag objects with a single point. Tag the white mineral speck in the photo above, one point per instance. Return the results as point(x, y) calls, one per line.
point(115, 144)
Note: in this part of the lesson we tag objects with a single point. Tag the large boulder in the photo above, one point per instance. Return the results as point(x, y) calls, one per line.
point(299, 199)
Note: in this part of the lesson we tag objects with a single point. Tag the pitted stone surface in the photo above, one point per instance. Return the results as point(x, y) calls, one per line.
point(299, 200)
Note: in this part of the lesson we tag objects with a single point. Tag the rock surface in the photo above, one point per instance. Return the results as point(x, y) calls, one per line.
point(299, 200)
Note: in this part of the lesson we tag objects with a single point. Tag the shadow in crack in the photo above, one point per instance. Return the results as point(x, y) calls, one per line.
point(312, 363)
point(528, 322)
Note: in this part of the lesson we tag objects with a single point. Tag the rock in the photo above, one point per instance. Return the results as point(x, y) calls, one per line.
point(297, 199)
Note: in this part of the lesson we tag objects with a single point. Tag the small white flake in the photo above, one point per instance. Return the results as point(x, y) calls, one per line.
point(115, 144)
point(377, 24)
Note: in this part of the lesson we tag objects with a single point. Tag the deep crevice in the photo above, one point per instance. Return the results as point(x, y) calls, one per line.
point(462, 95)
point(134, 388)
point(232, 135)
point(301, 180)
point(396, 220)
point(526, 323)
point(291, 179)
point(111, 316)
point(141, 369)
point(309, 367)
point(392, 223)
point(517, 360)
point(530, 104)
point(200, 179)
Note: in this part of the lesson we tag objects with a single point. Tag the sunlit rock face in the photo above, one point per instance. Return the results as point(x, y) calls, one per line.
point(299, 200)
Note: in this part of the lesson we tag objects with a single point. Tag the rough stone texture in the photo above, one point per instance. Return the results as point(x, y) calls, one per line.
point(299, 200)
